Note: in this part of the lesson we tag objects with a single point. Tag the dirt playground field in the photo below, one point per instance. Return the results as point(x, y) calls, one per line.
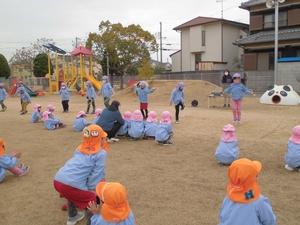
point(179, 184)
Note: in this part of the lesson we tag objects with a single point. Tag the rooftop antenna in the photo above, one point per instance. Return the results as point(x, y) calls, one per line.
point(222, 7)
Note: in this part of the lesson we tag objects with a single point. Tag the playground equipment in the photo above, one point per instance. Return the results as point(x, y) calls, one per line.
point(280, 95)
point(13, 89)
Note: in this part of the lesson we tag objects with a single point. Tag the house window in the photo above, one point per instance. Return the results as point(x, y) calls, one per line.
point(203, 38)
point(269, 20)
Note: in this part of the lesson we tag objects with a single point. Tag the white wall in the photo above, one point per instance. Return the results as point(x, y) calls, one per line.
point(185, 49)
point(176, 61)
point(213, 42)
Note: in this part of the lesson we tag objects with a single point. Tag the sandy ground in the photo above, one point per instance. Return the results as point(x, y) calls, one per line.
point(168, 185)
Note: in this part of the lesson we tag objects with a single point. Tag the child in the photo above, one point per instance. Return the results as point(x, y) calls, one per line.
point(177, 98)
point(137, 127)
point(123, 131)
point(65, 97)
point(37, 114)
point(115, 208)
point(106, 91)
point(244, 203)
point(80, 122)
point(3, 95)
point(20, 87)
point(292, 157)
point(77, 179)
point(151, 125)
point(164, 130)
point(98, 112)
point(91, 96)
point(237, 91)
point(50, 122)
point(25, 99)
point(227, 150)
point(142, 91)
point(10, 163)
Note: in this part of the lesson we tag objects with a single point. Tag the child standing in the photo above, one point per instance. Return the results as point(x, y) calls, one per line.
point(91, 97)
point(115, 208)
point(151, 125)
point(227, 150)
point(244, 203)
point(164, 130)
point(292, 157)
point(237, 91)
point(3, 95)
point(10, 163)
point(127, 116)
point(65, 97)
point(106, 91)
point(37, 114)
point(142, 91)
point(20, 87)
point(80, 122)
point(137, 126)
point(77, 179)
point(25, 99)
point(177, 98)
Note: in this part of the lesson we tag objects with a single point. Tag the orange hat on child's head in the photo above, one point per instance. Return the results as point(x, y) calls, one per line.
point(242, 186)
point(2, 147)
point(93, 142)
point(115, 206)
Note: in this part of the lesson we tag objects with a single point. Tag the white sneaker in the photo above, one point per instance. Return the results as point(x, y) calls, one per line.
point(177, 121)
point(288, 168)
point(75, 219)
point(115, 139)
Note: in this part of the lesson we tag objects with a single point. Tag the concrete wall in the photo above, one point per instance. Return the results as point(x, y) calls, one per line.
point(289, 73)
point(176, 61)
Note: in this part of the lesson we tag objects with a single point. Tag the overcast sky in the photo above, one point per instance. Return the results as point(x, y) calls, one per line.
point(23, 21)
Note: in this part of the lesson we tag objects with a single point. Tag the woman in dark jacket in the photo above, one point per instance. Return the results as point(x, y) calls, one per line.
point(226, 82)
point(111, 120)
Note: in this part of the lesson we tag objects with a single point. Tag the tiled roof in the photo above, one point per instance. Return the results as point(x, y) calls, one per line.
point(204, 20)
point(246, 5)
point(268, 36)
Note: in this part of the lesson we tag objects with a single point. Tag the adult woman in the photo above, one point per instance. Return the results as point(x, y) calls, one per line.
point(111, 120)
point(226, 81)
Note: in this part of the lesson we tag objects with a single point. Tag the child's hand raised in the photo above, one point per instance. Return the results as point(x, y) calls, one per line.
point(16, 154)
point(93, 207)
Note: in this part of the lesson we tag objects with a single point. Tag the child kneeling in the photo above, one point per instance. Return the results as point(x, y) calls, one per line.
point(164, 130)
point(37, 114)
point(123, 131)
point(137, 126)
point(80, 122)
point(151, 125)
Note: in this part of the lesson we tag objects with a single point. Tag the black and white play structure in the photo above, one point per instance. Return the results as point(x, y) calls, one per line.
point(280, 95)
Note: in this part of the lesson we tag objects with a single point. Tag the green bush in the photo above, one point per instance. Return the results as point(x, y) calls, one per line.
point(40, 65)
point(4, 67)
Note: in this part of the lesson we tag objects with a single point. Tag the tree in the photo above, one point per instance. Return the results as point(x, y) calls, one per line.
point(40, 65)
point(4, 67)
point(125, 47)
point(145, 71)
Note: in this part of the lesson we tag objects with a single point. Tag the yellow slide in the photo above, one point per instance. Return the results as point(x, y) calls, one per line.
point(97, 84)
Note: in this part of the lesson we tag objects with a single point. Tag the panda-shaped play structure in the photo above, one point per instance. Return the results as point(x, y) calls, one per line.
point(280, 95)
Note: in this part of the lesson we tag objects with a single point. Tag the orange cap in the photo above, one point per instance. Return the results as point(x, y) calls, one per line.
point(115, 206)
point(2, 147)
point(242, 186)
point(93, 140)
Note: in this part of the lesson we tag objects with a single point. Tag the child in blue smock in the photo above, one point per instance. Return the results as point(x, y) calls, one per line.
point(50, 122)
point(292, 157)
point(142, 91)
point(91, 97)
point(177, 98)
point(80, 122)
point(10, 163)
point(19, 87)
point(25, 99)
point(77, 179)
point(123, 131)
point(115, 208)
point(65, 97)
point(151, 125)
point(37, 114)
point(137, 127)
point(106, 91)
point(98, 113)
point(164, 130)
point(244, 203)
point(3, 95)
point(227, 150)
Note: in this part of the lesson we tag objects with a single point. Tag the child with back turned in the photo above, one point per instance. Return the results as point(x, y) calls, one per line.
point(151, 125)
point(164, 130)
point(292, 157)
point(137, 126)
point(3, 95)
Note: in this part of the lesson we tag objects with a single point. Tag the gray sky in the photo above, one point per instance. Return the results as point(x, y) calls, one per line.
point(24, 21)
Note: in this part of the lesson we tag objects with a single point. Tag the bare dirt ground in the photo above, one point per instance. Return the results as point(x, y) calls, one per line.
point(168, 185)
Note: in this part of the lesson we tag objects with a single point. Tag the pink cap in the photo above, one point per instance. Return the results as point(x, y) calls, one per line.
point(46, 115)
point(295, 135)
point(98, 112)
point(36, 107)
point(152, 117)
point(80, 114)
point(137, 115)
point(166, 117)
point(127, 115)
point(50, 108)
point(236, 75)
point(228, 133)
point(143, 84)
point(1, 84)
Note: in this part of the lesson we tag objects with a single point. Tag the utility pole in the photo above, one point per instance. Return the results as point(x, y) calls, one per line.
point(276, 3)
point(107, 64)
point(76, 42)
point(222, 8)
point(160, 42)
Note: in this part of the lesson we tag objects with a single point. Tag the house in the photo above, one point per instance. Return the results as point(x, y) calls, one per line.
point(259, 44)
point(207, 44)
point(163, 66)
